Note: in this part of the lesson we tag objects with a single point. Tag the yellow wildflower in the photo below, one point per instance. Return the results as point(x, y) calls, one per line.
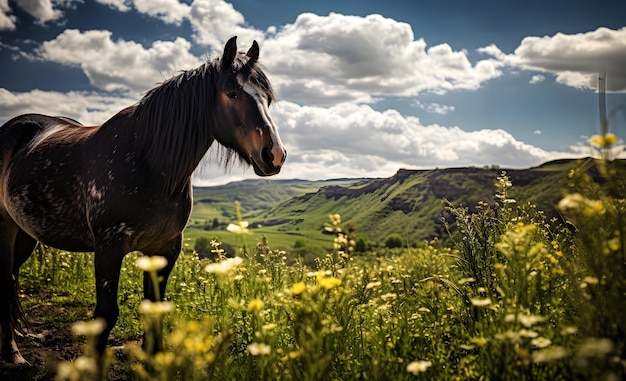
point(88, 328)
point(603, 141)
point(329, 283)
point(255, 305)
point(148, 307)
point(298, 288)
point(223, 267)
point(150, 264)
point(416, 367)
point(258, 349)
point(238, 228)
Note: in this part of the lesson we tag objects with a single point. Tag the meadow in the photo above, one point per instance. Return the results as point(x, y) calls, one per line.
point(513, 294)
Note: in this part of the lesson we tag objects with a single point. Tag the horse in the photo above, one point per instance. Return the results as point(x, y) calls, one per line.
point(125, 185)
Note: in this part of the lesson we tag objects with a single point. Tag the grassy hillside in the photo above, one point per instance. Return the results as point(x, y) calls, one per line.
point(409, 203)
point(214, 208)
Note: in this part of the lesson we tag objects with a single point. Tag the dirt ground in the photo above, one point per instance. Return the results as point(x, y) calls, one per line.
point(50, 341)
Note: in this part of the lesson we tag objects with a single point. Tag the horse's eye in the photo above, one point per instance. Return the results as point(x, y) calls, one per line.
point(233, 95)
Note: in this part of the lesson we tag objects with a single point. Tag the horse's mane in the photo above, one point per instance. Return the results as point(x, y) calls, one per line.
point(176, 120)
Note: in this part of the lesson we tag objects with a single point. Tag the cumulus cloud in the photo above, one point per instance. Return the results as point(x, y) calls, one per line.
point(169, 11)
point(89, 108)
point(435, 108)
point(7, 20)
point(216, 21)
point(340, 139)
point(120, 5)
point(537, 78)
point(42, 10)
point(322, 142)
point(114, 65)
point(575, 59)
point(337, 58)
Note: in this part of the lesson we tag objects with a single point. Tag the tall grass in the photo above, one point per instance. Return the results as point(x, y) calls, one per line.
point(516, 296)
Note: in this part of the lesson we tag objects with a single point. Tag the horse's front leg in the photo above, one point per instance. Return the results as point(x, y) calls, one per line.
point(108, 264)
point(153, 339)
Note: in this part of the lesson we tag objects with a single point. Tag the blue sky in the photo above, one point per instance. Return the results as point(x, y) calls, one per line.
point(364, 87)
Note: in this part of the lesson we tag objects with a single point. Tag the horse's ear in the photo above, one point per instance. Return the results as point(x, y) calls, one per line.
point(253, 52)
point(230, 51)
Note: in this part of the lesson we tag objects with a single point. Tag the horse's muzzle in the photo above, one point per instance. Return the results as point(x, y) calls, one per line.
point(271, 161)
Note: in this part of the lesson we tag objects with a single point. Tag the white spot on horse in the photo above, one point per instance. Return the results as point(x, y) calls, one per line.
point(94, 192)
point(261, 101)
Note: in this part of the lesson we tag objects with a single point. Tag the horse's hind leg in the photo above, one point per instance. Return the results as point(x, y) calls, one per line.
point(24, 246)
point(9, 304)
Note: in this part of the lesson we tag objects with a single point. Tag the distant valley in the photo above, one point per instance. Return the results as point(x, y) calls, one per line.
point(292, 213)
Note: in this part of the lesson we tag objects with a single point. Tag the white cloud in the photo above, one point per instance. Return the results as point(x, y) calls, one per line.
point(42, 10)
point(120, 5)
point(169, 11)
point(575, 59)
point(355, 140)
point(336, 58)
point(7, 20)
point(216, 21)
point(89, 108)
point(345, 140)
point(537, 132)
point(435, 108)
point(113, 65)
point(537, 78)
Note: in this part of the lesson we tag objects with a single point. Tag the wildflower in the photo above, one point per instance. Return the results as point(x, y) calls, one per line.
point(479, 341)
point(329, 283)
point(255, 305)
point(223, 267)
point(389, 296)
point(372, 285)
point(590, 280)
point(150, 264)
point(577, 203)
point(526, 320)
point(89, 328)
point(417, 367)
point(238, 228)
point(86, 364)
point(540, 342)
point(148, 307)
point(480, 302)
point(269, 326)
point(613, 244)
point(527, 333)
point(549, 354)
point(603, 141)
point(335, 219)
point(466, 280)
point(298, 288)
point(258, 349)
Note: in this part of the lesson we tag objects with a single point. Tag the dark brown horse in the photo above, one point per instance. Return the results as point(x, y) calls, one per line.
point(125, 185)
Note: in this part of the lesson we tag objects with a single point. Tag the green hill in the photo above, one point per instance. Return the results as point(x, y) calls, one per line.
point(293, 212)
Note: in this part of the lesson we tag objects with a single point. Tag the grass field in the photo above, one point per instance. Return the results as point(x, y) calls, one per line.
point(514, 295)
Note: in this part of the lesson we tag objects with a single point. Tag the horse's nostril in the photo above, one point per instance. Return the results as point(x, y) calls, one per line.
point(266, 155)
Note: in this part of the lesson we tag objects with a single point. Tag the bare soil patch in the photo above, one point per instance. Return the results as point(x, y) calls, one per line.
point(50, 341)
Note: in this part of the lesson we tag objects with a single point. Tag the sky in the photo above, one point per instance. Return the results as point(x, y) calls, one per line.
point(364, 87)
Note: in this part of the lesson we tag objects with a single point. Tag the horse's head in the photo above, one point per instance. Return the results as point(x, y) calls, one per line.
point(243, 120)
